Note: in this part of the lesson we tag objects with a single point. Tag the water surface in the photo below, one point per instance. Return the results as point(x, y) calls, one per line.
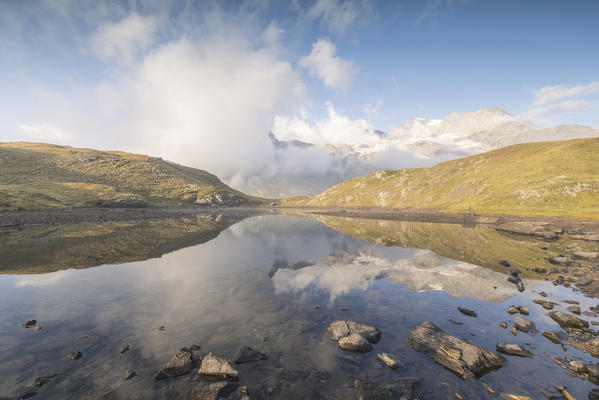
point(221, 281)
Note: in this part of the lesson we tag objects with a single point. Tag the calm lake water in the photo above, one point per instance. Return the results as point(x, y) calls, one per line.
point(221, 282)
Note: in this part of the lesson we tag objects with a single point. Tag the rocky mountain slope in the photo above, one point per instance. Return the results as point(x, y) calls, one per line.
point(546, 178)
point(38, 176)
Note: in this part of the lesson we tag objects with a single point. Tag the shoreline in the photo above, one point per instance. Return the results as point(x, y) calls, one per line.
point(59, 216)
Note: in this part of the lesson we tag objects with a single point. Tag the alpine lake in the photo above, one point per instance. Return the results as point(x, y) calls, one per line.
point(97, 311)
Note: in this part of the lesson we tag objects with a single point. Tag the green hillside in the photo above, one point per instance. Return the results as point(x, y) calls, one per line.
point(39, 176)
point(548, 178)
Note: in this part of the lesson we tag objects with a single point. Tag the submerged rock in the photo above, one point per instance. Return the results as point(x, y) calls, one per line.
point(523, 324)
point(568, 321)
point(513, 350)
point(217, 368)
point(30, 323)
point(464, 359)
point(129, 374)
point(504, 263)
point(73, 356)
point(467, 312)
point(42, 380)
point(246, 354)
point(180, 364)
point(546, 304)
point(399, 389)
point(356, 343)
point(389, 360)
point(124, 348)
point(555, 336)
point(574, 309)
point(214, 391)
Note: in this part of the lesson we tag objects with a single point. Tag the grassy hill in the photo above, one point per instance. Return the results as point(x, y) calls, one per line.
point(39, 176)
point(548, 178)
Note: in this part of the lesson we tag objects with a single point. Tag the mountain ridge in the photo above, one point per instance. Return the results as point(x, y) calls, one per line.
point(541, 178)
point(41, 175)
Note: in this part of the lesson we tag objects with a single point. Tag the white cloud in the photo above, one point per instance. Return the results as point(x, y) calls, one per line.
point(553, 94)
point(43, 132)
point(272, 34)
point(322, 62)
point(336, 129)
point(124, 40)
point(338, 16)
point(553, 101)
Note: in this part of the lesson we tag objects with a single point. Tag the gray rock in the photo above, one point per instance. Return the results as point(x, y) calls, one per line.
point(594, 394)
point(340, 329)
point(124, 348)
point(73, 356)
point(180, 364)
point(356, 343)
point(214, 391)
point(464, 359)
point(513, 350)
point(389, 360)
point(129, 374)
point(589, 255)
point(246, 354)
point(399, 389)
point(523, 324)
point(217, 368)
point(560, 260)
point(568, 321)
point(524, 310)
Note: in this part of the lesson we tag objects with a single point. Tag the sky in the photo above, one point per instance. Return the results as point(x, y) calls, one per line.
point(203, 82)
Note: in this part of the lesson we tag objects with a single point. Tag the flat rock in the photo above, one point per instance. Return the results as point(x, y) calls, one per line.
point(464, 359)
point(513, 350)
point(467, 312)
point(214, 391)
point(180, 364)
point(555, 336)
point(398, 389)
point(541, 230)
point(523, 324)
point(246, 354)
point(568, 321)
point(340, 329)
point(73, 356)
point(217, 368)
point(389, 360)
point(356, 343)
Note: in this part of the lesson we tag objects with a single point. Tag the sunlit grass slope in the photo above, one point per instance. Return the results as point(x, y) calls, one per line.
point(38, 176)
point(548, 178)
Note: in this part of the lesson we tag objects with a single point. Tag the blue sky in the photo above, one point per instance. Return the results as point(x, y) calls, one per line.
point(186, 79)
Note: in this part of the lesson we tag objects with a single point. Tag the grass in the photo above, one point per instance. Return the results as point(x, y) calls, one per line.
point(40, 176)
point(548, 178)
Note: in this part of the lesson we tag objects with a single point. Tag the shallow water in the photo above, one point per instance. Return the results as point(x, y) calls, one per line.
point(256, 282)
